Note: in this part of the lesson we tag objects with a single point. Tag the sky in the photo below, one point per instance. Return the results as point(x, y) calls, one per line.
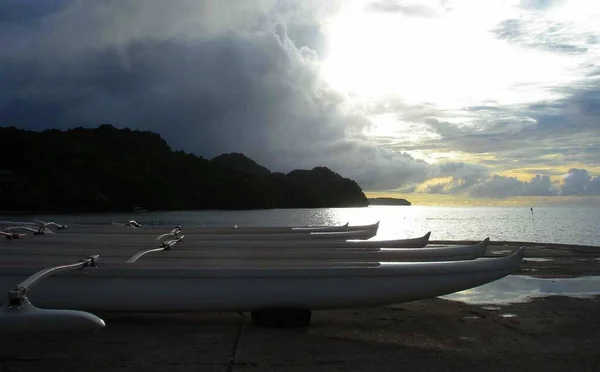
point(462, 102)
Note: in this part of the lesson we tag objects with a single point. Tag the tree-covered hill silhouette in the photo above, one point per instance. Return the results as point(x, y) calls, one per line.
point(108, 169)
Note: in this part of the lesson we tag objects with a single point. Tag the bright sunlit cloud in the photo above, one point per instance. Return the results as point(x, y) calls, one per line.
point(497, 89)
point(452, 59)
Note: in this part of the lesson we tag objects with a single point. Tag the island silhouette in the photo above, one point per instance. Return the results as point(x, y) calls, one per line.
point(106, 169)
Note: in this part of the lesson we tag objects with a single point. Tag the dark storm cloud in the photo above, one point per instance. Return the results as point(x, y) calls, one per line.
point(210, 76)
point(23, 11)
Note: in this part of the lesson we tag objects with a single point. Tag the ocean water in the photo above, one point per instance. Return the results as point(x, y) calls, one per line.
point(549, 224)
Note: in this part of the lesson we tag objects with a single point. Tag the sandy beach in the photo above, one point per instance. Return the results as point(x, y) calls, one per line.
point(545, 334)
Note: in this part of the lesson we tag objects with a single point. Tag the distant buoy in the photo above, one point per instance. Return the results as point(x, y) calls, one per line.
point(532, 217)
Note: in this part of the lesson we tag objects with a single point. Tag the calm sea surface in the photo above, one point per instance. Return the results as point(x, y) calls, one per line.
point(569, 225)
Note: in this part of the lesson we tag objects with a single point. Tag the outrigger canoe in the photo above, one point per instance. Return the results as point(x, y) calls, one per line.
point(236, 229)
point(342, 235)
point(140, 241)
point(231, 256)
point(85, 287)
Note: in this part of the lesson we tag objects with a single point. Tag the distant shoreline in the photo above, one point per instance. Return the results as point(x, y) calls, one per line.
point(388, 201)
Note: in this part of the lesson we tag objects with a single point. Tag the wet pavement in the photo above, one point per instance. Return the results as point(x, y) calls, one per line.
point(520, 288)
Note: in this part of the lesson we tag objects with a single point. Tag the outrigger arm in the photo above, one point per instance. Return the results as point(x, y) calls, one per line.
point(164, 246)
point(19, 315)
point(175, 233)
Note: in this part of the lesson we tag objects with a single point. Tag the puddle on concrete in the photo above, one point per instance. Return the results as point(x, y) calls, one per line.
point(507, 315)
point(471, 317)
point(491, 308)
point(538, 259)
point(518, 289)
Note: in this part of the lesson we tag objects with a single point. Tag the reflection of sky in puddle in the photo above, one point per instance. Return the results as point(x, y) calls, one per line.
point(517, 288)
point(538, 259)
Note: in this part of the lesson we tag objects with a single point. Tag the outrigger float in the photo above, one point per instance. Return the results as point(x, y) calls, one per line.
point(278, 287)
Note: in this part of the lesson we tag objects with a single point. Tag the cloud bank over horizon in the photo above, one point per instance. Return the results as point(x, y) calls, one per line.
point(256, 77)
point(577, 182)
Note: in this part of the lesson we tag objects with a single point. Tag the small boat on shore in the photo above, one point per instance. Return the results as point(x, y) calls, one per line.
point(110, 241)
point(357, 232)
point(219, 257)
point(270, 275)
point(340, 235)
point(85, 287)
point(235, 229)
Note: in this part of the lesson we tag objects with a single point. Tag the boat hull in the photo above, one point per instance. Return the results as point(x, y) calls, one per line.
point(221, 229)
point(134, 234)
point(148, 241)
point(216, 256)
point(143, 289)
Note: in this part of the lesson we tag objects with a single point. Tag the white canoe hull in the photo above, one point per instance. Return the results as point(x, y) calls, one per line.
point(141, 288)
point(218, 256)
point(343, 235)
point(149, 241)
point(112, 229)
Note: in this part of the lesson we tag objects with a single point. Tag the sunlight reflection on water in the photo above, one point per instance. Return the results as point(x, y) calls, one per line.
point(569, 225)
